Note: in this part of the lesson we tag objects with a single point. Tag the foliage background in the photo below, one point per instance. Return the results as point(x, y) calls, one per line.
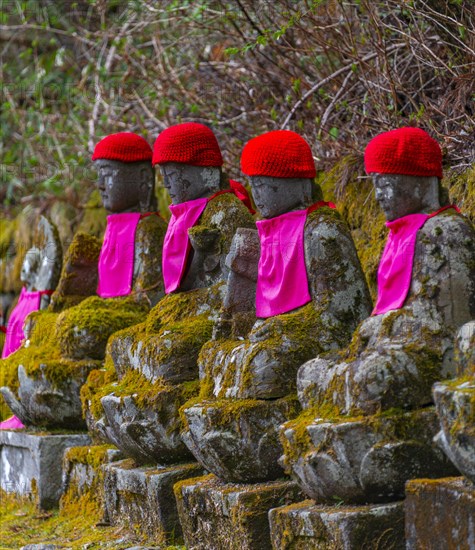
point(338, 72)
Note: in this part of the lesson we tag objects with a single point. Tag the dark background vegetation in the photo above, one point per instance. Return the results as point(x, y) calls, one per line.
point(338, 72)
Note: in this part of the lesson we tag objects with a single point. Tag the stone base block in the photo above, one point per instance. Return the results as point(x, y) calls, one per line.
point(141, 499)
point(31, 463)
point(83, 478)
point(307, 526)
point(222, 516)
point(440, 513)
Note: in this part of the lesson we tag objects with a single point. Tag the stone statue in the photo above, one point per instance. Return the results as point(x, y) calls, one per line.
point(39, 274)
point(126, 271)
point(368, 427)
point(151, 368)
point(310, 293)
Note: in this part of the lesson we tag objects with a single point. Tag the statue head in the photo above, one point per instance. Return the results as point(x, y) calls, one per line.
point(189, 160)
point(125, 174)
point(406, 167)
point(281, 169)
point(30, 267)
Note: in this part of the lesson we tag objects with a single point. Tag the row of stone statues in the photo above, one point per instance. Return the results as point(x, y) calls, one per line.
point(255, 350)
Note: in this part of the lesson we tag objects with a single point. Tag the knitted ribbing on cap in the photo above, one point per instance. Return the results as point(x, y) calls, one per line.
point(124, 146)
point(188, 143)
point(408, 151)
point(279, 154)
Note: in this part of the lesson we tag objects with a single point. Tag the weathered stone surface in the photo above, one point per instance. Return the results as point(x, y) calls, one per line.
point(146, 434)
point(306, 526)
point(31, 463)
point(238, 440)
point(82, 481)
point(167, 344)
point(82, 331)
point(46, 402)
point(440, 514)
point(219, 516)
point(455, 404)
point(395, 358)
point(141, 500)
point(361, 460)
point(265, 364)
point(79, 274)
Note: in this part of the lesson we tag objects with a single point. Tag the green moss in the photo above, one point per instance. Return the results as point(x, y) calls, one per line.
point(79, 274)
point(83, 330)
point(462, 191)
point(86, 501)
point(94, 217)
point(226, 213)
point(95, 387)
point(355, 200)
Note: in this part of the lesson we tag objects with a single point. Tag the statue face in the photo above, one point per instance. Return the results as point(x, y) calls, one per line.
point(401, 195)
point(124, 187)
point(30, 267)
point(186, 183)
point(275, 196)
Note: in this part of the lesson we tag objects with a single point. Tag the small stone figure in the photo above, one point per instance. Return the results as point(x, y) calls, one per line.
point(426, 290)
point(156, 362)
point(128, 277)
point(310, 294)
point(40, 274)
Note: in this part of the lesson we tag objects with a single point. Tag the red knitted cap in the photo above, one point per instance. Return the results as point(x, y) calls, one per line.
point(124, 146)
point(279, 154)
point(187, 143)
point(408, 151)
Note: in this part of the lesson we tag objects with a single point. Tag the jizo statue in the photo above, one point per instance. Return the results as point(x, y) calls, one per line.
point(426, 290)
point(310, 293)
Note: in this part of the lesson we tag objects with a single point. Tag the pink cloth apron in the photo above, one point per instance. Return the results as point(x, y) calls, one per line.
point(27, 302)
point(176, 246)
point(116, 261)
point(395, 267)
point(282, 283)
point(12, 423)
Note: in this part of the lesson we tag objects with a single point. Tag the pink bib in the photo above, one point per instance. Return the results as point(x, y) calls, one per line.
point(12, 423)
point(282, 283)
point(27, 302)
point(395, 267)
point(116, 261)
point(176, 246)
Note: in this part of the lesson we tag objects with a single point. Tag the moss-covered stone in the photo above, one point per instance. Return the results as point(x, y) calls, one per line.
point(83, 481)
point(440, 512)
point(235, 514)
point(79, 274)
point(306, 526)
point(94, 216)
point(83, 330)
point(362, 459)
point(141, 500)
point(237, 439)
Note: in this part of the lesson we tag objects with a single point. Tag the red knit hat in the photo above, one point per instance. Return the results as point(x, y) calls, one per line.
point(279, 154)
point(124, 146)
point(187, 143)
point(408, 151)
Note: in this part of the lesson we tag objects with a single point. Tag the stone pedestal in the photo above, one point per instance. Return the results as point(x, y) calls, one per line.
point(307, 526)
point(141, 499)
point(32, 463)
point(440, 513)
point(222, 516)
point(83, 479)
